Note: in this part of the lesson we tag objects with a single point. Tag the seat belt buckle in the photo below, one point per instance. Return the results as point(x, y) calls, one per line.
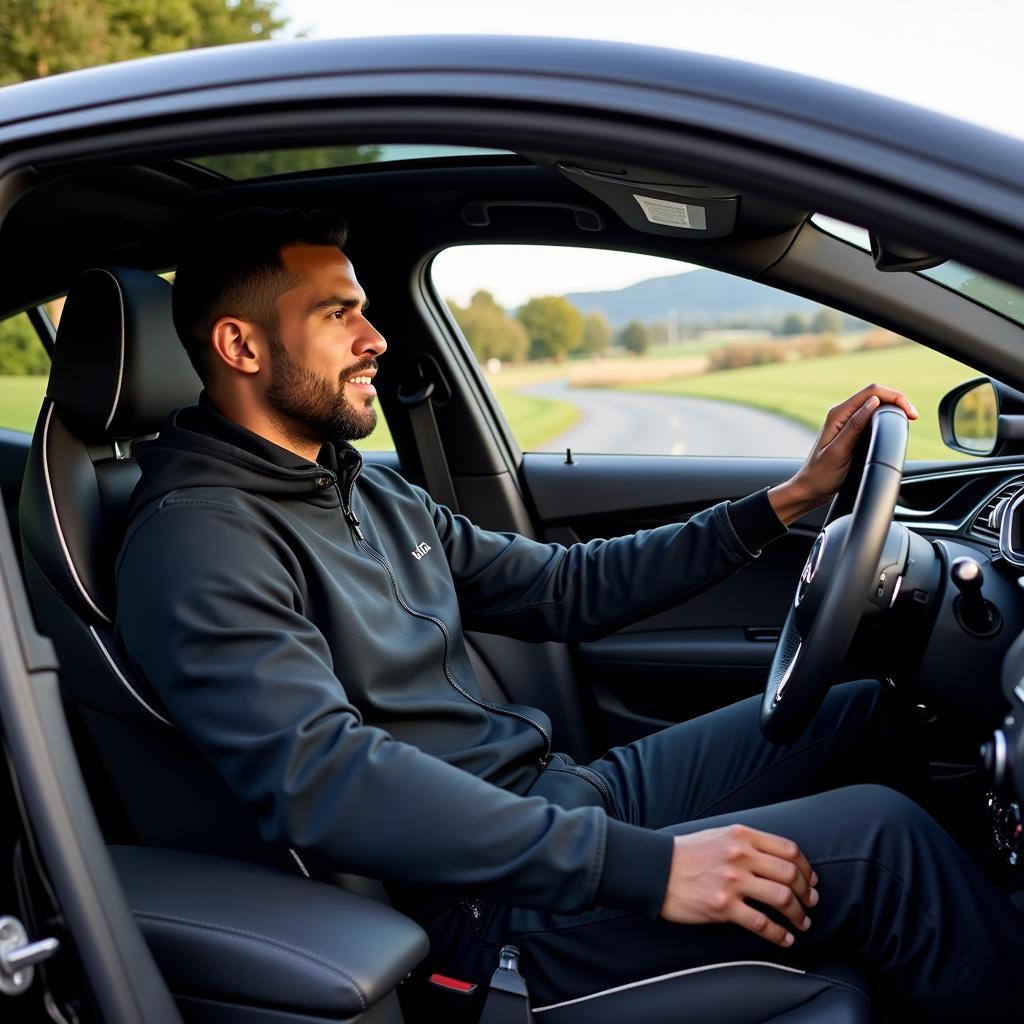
point(508, 999)
point(453, 985)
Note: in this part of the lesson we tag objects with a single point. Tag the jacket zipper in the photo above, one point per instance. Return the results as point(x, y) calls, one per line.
point(353, 521)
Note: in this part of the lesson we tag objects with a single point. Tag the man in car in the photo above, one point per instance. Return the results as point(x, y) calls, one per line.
point(302, 618)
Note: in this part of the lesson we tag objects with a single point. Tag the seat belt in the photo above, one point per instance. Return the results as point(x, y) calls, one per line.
point(508, 1001)
point(429, 446)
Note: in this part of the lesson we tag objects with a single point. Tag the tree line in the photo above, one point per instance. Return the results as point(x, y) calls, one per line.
point(551, 327)
point(39, 38)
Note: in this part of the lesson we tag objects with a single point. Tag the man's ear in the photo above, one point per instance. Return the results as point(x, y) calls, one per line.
point(238, 344)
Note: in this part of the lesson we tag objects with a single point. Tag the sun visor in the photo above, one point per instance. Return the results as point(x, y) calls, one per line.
point(669, 206)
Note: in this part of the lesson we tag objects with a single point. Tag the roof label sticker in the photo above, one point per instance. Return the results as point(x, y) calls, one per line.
point(673, 215)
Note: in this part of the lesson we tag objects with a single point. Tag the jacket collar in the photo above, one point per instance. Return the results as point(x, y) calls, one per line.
point(342, 461)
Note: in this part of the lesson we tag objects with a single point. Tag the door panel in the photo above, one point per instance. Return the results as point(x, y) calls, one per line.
point(711, 650)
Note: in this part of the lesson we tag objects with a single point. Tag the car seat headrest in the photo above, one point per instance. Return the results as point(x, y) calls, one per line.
point(118, 366)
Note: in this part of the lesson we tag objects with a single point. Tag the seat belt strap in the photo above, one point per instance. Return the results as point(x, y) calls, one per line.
point(429, 446)
point(508, 1001)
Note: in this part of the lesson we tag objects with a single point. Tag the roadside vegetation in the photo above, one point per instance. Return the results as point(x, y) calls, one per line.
point(795, 366)
point(804, 390)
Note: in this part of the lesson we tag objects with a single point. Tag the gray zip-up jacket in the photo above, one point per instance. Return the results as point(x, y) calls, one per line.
point(303, 624)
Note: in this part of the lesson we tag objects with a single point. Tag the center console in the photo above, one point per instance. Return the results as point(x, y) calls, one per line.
point(242, 942)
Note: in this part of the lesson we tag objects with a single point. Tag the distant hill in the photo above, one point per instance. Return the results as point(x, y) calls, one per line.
point(698, 295)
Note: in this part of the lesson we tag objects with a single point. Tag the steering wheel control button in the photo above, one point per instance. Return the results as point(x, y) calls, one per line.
point(977, 616)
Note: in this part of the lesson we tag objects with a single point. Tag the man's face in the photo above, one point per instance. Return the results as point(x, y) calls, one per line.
point(324, 355)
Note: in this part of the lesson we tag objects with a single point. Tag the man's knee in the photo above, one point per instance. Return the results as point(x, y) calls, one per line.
point(869, 805)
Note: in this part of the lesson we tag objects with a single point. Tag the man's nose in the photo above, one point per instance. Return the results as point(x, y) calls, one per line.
point(370, 341)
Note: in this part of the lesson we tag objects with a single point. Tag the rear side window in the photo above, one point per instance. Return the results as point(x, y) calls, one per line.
point(24, 365)
point(620, 353)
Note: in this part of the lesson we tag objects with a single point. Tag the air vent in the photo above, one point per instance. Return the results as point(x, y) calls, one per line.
point(986, 522)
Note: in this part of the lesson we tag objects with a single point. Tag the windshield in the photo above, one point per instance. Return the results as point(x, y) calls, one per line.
point(986, 291)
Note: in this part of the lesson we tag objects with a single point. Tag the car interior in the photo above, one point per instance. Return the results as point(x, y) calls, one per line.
point(241, 930)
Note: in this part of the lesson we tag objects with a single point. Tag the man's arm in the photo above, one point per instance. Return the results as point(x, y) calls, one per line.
point(508, 584)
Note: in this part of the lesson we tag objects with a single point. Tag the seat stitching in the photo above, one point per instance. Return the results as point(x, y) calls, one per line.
point(124, 681)
point(69, 563)
point(838, 981)
point(304, 954)
point(700, 969)
point(120, 361)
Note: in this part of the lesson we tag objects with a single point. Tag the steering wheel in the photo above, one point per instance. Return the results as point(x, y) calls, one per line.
point(840, 575)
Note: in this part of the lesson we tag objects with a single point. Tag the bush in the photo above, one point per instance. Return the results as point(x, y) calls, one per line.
point(635, 338)
point(732, 357)
point(21, 351)
point(822, 345)
point(880, 339)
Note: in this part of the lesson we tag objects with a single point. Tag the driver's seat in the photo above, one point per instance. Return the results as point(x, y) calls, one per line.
point(118, 369)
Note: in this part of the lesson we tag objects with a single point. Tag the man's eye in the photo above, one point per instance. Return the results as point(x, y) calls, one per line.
point(339, 314)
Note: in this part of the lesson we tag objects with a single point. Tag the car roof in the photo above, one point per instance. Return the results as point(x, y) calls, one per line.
point(719, 79)
point(105, 188)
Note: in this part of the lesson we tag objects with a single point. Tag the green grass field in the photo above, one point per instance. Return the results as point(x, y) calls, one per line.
point(533, 420)
point(803, 391)
point(20, 399)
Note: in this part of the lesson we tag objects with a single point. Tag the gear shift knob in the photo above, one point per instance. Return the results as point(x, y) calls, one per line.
point(972, 609)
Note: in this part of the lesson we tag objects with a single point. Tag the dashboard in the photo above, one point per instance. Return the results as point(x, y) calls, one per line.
point(970, 659)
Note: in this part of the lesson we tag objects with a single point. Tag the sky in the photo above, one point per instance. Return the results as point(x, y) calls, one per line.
point(962, 59)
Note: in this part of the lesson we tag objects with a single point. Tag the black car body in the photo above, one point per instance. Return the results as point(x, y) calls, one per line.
point(95, 171)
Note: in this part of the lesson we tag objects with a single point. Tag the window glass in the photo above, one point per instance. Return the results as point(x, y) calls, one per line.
point(983, 289)
point(24, 365)
point(603, 351)
point(380, 440)
point(266, 163)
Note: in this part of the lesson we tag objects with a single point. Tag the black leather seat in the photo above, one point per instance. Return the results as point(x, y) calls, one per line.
point(118, 369)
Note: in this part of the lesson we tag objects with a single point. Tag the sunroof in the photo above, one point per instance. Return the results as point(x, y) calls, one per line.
point(268, 162)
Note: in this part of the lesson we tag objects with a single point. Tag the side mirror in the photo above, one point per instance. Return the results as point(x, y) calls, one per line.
point(982, 417)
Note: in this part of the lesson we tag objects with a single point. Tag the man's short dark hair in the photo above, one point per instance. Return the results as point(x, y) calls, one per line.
point(232, 266)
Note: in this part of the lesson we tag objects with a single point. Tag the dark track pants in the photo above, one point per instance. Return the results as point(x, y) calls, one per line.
point(897, 894)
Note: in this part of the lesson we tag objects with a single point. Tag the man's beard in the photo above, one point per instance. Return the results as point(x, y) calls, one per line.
point(316, 408)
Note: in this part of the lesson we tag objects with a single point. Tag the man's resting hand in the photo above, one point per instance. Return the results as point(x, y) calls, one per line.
point(715, 871)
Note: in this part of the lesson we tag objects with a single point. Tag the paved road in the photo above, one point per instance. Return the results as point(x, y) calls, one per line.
point(650, 424)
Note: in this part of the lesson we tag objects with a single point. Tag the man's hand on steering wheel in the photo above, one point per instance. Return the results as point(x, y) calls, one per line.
point(825, 468)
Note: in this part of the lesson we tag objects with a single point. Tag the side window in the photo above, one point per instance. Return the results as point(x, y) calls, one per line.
point(24, 364)
point(612, 352)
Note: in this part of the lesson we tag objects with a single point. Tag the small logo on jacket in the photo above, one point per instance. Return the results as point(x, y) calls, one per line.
point(420, 550)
